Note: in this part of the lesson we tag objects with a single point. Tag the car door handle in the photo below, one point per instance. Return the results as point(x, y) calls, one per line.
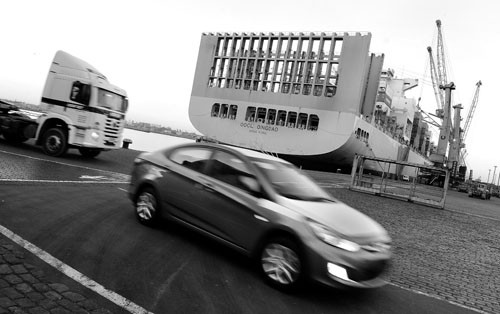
point(205, 186)
point(209, 187)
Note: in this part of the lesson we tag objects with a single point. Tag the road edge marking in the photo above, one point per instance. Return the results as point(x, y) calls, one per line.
point(61, 181)
point(74, 274)
point(60, 163)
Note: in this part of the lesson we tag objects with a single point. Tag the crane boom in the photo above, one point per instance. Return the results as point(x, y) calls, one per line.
point(441, 64)
point(438, 93)
point(472, 109)
point(438, 73)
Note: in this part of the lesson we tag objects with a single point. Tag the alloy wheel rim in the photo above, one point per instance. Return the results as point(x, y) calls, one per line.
point(280, 263)
point(146, 206)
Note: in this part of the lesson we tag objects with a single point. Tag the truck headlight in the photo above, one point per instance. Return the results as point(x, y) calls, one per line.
point(95, 136)
point(331, 238)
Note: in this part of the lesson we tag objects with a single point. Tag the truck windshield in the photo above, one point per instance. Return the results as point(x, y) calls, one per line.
point(111, 100)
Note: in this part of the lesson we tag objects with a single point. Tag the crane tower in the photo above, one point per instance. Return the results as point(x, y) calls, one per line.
point(442, 91)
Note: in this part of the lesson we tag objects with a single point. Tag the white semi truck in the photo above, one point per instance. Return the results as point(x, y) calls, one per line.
point(81, 109)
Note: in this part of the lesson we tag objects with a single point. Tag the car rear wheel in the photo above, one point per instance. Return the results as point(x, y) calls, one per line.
point(146, 207)
point(281, 264)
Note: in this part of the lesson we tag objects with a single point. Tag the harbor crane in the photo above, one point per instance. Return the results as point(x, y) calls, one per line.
point(472, 109)
point(438, 73)
point(468, 121)
point(442, 91)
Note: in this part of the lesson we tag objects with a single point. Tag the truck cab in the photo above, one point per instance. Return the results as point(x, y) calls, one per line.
point(81, 109)
point(480, 190)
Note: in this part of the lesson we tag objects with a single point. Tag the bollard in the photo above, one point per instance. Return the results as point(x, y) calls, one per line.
point(126, 143)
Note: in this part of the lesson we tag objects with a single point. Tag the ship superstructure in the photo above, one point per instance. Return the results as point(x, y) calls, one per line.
point(314, 98)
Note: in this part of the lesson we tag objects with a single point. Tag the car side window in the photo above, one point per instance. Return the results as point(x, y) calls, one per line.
point(232, 170)
point(191, 157)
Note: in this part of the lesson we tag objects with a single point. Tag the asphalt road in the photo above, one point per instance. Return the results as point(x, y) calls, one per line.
point(77, 210)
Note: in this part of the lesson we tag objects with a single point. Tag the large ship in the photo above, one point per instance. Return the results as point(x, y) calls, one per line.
point(316, 99)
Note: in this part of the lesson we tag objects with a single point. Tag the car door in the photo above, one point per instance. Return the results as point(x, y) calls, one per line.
point(181, 184)
point(230, 211)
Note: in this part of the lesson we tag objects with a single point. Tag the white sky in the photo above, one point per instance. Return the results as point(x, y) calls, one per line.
point(150, 48)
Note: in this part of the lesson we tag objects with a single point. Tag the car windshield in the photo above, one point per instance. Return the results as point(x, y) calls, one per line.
point(111, 100)
point(291, 182)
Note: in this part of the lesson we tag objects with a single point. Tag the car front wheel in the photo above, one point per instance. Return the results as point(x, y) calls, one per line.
point(146, 207)
point(281, 264)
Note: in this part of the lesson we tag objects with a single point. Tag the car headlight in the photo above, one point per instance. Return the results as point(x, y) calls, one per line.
point(329, 237)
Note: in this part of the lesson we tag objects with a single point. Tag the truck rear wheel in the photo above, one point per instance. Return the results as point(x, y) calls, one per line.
point(89, 152)
point(55, 142)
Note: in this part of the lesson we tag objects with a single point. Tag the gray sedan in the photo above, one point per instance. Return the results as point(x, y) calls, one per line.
point(263, 207)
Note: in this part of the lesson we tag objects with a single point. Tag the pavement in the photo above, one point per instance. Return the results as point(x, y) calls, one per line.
point(29, 285)
point(25, 287)
point(450, 254)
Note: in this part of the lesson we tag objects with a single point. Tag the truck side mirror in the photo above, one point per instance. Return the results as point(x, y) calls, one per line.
point(125, 105)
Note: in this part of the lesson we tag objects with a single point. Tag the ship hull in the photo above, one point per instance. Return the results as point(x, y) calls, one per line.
point(306, 97)
point(333, 146)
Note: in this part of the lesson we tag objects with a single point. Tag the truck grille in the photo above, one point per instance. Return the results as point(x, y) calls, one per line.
point(112, 131)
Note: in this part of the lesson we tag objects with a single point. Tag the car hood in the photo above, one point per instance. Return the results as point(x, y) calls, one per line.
point(340, 217)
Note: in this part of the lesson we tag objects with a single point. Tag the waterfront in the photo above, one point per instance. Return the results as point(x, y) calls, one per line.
point(148, 141)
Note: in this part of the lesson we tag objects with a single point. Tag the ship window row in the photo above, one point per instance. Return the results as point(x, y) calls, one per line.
point(362, 134)
point(286, 47)
point(224, 111)
point(290, 119)
point(285, 118)
point(277, 76)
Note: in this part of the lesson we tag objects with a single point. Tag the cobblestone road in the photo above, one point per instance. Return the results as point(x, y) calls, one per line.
point(24, 288)
point(447, 254)
point(450, 254)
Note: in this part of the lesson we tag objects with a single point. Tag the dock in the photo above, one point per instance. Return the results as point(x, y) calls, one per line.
point(77, 210)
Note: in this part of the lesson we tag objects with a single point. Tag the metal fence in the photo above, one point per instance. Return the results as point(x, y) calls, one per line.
point(400, 180)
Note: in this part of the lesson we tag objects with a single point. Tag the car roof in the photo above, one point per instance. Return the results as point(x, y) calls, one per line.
point(244, 151)
point(255, 154)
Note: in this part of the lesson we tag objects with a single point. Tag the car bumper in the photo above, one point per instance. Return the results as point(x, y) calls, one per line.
point(339, 268)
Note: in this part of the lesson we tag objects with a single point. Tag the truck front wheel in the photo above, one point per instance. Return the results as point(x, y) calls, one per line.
point(55, 142)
